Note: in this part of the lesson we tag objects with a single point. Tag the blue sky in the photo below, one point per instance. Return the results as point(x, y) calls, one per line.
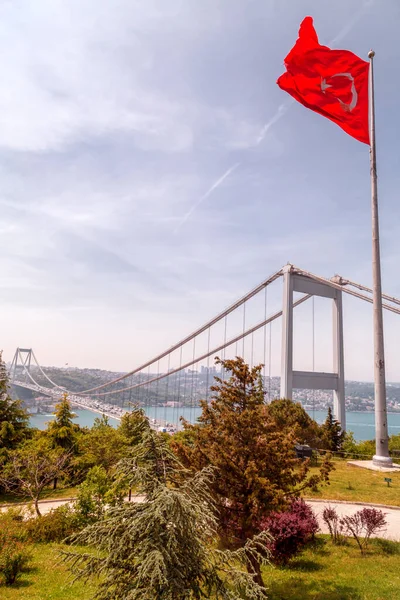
point(152, 171)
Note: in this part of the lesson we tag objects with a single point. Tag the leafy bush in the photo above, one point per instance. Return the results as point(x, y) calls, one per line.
point(96, 493)
point(13, 553)
point(13, 560)
point(291, 531)
point(54, 526)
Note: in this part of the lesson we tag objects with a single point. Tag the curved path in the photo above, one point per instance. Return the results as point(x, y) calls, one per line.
point(343, 509)
point(392, 531)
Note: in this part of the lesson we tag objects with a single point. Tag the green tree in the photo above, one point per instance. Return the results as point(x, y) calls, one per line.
point(132, 425)
point(257, 470)
point(291, 416)
point(62, 430)
point(97, 492)
point(333, 435)
point(13, 417)
point(31, 468)
point(160, 548)
point(102, 445)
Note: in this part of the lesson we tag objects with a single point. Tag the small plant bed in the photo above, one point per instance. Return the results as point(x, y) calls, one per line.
point(45, 578)
point(354, 484)
point(338, 572)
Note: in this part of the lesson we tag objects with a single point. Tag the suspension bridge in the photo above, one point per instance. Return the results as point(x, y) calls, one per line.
point(182, 374)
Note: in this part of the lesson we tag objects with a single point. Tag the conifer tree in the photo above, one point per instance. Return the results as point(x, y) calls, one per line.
point(332, 434)
point(257, 470)
point(162, 548)
point(13, 417)
point(62, 430)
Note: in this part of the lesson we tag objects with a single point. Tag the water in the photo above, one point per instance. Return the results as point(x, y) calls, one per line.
point(362, 424)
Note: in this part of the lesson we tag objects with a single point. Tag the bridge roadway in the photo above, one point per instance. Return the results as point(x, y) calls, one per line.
point(88, 403)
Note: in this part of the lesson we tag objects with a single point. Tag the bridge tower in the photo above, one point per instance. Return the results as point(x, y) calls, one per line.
point(290, 379)
point(21, 364)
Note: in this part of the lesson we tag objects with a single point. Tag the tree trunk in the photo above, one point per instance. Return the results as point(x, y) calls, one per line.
point(253, 567)
point(39, 514)
point(55, 483)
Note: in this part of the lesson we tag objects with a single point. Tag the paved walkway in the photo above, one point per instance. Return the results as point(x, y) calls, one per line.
point(343, 509)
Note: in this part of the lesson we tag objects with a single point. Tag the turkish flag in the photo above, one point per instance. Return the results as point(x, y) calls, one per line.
point(333, 83)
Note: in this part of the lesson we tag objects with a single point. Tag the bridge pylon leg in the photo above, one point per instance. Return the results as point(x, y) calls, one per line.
point(295, 281)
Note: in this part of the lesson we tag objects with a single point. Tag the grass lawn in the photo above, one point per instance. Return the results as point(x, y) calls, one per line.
point(324, 572)
point(338, 573)
point(47, 579)
point(48, 494)
point(361, 485)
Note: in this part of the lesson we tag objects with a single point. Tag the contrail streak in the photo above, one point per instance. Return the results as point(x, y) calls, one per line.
point(282, 109)
point(214, 186)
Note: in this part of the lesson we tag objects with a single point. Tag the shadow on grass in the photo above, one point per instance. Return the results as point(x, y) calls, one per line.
point(304, 565)
point(298, 589)
point(19, 584)
point(387, 546)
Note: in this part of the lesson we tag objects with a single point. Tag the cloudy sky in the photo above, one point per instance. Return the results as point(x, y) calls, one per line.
point(151, 170)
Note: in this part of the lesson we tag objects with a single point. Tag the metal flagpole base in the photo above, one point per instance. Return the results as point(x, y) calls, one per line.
point(382, 461)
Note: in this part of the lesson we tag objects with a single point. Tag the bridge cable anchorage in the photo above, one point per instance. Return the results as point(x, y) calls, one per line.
point(213, 351)
point(343, 288)
point(190, 337)
point(367, 289)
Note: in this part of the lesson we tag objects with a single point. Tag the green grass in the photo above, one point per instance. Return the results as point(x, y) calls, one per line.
point(355, 484)
point(323, 572)
point(48, 494)
point(47, 579)
point(330, 572)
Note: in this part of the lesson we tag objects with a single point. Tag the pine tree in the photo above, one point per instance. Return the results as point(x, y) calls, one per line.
point(62, 430)
point(257, 470)
point(13, 417)
point(332, 434)
point(162, 548)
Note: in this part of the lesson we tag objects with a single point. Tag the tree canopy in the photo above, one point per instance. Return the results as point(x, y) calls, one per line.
point(62, 430)
point(159, 548)
point(254, 457)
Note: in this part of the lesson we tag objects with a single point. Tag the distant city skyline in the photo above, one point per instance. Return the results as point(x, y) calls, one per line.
point(152, 172)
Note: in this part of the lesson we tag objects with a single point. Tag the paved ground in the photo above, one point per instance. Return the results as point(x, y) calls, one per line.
point(343, 508)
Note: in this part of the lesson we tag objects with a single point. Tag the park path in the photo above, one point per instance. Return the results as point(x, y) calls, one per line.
point(343, 509)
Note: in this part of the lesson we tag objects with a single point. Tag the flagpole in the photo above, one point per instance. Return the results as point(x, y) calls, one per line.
point(381, 457)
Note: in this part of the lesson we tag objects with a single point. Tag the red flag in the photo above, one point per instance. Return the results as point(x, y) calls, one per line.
point(333, 83)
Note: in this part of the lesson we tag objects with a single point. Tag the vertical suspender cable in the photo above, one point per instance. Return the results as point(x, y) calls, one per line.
point(244, 327)
point(192, 385)
point(208, 364)
point(313, 349)
point(269, 362)
point(224, 351)
point(157, 397)
point(179, 375)
point(166, 390)
point(265, 331)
